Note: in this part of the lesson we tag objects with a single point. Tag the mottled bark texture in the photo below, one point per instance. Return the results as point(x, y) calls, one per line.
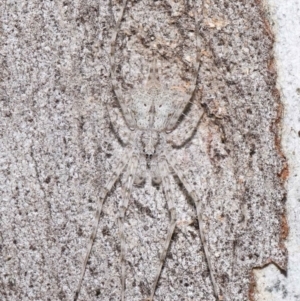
point(58, 149)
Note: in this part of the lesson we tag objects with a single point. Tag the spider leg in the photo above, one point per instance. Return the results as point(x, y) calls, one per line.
point(193, 194)
point(179, 110)
point(118, 125)
point(166, 184)
point(129, 178)
point(127, 113)
point(183, 134)
point(103, 194)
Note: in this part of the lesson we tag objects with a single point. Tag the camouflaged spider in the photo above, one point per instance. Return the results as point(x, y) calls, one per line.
point(151, 116)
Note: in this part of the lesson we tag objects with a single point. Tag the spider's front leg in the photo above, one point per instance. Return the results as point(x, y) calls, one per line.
point(191, 191)
point(186, 130)
point(118, 125)
point(189, 95)
point(126, 112)
point(103, 194)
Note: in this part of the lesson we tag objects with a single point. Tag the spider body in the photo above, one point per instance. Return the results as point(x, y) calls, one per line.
point(151, 114)
point(151, 111)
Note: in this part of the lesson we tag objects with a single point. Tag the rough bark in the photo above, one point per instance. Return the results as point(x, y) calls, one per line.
point(58, 149)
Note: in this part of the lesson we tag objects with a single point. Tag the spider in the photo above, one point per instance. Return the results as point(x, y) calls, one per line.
point(151, 116)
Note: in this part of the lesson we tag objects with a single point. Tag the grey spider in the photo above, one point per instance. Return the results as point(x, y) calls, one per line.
point(151, 116)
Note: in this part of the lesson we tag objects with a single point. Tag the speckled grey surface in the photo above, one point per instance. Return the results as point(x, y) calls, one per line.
point(285, 15)
point(57, 148)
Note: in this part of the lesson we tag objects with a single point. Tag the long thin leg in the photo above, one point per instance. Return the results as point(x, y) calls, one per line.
point(166, 183)
point(118, 125)
point(129, 178)
point(185, 132)
point(172, 122)
point(127, 113)
point(193, 194)
point(104, 191)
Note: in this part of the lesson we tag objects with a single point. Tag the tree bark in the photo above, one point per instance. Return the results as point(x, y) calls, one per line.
point(58, 148)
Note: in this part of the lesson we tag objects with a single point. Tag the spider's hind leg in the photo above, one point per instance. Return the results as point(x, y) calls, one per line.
point(129, 180)
point(166, 183)
point(191, 191)
point(103, 194)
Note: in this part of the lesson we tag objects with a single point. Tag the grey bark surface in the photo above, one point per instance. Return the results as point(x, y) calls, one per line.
point(285, 19)
point(58, 148)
